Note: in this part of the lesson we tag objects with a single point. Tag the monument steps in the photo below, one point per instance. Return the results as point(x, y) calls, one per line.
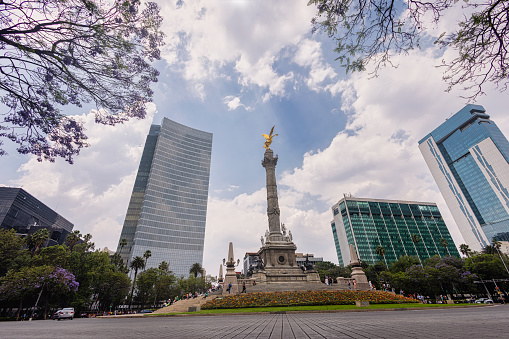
point(184, 305)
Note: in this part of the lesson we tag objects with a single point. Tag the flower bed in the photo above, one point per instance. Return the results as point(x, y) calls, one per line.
point(270, 299)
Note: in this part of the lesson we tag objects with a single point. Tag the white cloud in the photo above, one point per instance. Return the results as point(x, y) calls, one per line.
point(233, 103)
point(243, 220)
point(376, 156)
point(309, 54)
point(205, 36)
point(94, 192)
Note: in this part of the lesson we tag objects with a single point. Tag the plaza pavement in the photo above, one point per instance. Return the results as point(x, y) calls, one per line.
point(476, 322)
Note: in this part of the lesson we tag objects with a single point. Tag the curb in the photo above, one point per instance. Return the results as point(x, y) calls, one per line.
point(291, 312)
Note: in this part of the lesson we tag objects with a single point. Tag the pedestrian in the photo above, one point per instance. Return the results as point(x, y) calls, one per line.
point(244, 287)
point(229, 288)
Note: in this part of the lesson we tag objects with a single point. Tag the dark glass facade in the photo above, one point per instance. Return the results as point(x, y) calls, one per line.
point(21, 211)
point(369, 223)
point(468, 157)
point(168, 206)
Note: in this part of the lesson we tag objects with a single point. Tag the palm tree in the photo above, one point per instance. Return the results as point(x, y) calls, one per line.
point(444, 243)
point(138, 263)
point(122, 243)
point(495, 243)
point(380, 250)
point(415, 238)
point(195, 269)
point(488, 249)
point(72, 239)
point(147, 255)
point(37, 239)
point(465, 250)
point(496, 248)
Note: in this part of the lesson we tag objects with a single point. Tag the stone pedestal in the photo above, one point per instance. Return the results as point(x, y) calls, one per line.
point(361, 282)
point(230, 277)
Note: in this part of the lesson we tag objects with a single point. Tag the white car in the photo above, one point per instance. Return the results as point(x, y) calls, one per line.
point(64, 313)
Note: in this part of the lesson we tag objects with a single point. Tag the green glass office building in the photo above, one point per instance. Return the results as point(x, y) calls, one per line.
point(399, 227)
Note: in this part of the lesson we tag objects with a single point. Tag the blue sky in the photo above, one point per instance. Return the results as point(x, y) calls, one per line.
point(236, 68)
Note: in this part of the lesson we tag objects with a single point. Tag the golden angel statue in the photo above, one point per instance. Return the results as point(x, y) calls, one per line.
point(268, 138)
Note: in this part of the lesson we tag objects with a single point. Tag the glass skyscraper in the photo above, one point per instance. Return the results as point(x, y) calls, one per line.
point(21, 211)
point(168, 206)
point(468, 158)
point(400, 227)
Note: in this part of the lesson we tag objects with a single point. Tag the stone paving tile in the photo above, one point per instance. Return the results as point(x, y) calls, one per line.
point(464, 323)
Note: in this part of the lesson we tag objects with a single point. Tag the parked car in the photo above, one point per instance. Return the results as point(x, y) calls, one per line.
point(146, 311)
point(488, 301)
point(481, 300)
point(64, 313)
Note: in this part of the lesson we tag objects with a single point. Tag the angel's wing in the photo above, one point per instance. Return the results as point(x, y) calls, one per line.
point(265, 136)
point(272, 130)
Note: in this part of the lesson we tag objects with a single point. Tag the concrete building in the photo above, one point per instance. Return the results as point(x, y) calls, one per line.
point(468, 157)
point(301, 258)
point(249, 259)
point(400, 227)
point(168, 205)
point(26, 214)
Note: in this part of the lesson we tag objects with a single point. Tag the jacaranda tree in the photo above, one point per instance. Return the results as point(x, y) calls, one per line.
point(372, 31)
point(59, 52)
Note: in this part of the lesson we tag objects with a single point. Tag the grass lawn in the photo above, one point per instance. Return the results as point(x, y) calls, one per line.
point(319, 308)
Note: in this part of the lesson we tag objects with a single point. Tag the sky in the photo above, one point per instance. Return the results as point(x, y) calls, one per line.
point(236, 68)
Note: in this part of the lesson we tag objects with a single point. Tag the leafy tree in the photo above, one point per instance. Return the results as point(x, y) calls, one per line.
point(60, 52)
point(196, 269)
point(12, 255)
point(372, 31)
point(110, 288)
point(193, 285)
point(486, 266)
point(145, 286)
point(327, 268)
point(117, 261)
point(52, 255)
point(403, 263)
point(164, 266)
point(16, 285)
point(373, 273)
point(37, 239)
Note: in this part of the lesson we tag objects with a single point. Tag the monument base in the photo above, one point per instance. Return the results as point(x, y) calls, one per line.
point(281, 269)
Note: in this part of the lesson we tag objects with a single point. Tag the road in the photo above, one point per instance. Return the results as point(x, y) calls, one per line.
point(481, 322)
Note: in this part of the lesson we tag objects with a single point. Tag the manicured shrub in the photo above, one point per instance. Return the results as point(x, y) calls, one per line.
point(305, 298)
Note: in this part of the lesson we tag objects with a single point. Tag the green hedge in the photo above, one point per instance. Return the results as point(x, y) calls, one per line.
point(269, 299)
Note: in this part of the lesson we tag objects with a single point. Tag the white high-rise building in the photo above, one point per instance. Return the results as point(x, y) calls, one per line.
point(468, 157)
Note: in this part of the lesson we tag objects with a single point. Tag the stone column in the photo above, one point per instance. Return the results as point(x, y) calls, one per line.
point(269, 162)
